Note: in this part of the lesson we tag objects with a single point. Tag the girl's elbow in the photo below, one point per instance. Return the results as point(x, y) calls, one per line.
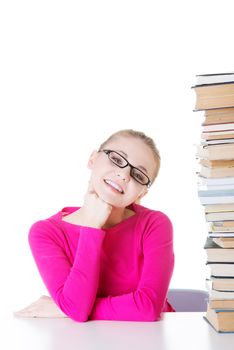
point(74, 314)
point(79, 318)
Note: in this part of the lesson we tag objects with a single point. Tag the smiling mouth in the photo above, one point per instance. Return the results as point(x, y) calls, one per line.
point(114, 186)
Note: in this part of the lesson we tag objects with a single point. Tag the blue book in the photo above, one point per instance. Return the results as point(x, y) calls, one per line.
point(215, 193)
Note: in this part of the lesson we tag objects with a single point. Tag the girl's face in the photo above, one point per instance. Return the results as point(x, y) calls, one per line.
point(106, 177)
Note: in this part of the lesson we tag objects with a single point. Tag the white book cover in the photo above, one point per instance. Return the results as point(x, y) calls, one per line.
point(206, 79)
point(215, 181)
point(216, 200)
point(220, 234)
point(218, 127)
point(219, 216)
point(216, 142)
point(215, 187)
point(221, 269)
point(215, 294)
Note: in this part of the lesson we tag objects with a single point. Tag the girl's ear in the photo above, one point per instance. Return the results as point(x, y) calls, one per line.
point(92, 159)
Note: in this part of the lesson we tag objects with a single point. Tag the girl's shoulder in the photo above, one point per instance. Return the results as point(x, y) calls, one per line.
point(148, 214)
point(154, 224)
point(51, 225)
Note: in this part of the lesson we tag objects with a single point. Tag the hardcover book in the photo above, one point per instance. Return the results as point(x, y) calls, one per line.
point(221, 320)
point(204, 79)
point(217, 95)
point(217, 254)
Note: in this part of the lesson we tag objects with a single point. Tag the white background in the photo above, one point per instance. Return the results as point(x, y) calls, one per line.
point(72, 72)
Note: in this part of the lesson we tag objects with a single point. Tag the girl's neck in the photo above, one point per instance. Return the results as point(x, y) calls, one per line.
point(118, 215)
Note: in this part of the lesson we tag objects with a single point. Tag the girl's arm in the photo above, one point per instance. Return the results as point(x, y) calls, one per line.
point(73, 287)
point(147, 301)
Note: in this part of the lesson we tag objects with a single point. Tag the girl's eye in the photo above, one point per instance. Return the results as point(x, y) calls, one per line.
point(139, 177)
point(117, 160)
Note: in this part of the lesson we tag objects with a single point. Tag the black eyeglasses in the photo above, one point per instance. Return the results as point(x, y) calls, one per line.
point(122, 162)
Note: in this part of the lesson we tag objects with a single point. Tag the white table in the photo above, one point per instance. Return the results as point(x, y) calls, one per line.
point(177, 331)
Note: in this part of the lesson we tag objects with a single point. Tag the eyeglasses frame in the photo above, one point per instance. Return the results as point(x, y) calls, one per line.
point(108, 151)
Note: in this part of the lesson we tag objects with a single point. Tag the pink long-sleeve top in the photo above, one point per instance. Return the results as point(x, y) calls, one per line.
point(119, 273)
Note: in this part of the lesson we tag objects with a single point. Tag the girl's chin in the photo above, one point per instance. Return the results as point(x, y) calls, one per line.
point(112, 197)
point(109, 198)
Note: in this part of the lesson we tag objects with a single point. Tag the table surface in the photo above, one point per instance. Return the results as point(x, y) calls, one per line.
point(181, 330)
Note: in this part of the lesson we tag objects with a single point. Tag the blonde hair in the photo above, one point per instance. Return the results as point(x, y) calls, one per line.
point(142, 136)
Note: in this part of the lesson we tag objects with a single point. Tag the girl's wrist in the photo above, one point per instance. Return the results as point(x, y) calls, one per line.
point(78, 218)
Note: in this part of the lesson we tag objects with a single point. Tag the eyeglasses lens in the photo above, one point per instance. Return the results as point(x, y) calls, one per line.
point(135, 173)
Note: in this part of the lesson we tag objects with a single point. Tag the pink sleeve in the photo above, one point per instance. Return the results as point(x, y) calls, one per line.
point(147, 302)
point(72, 287)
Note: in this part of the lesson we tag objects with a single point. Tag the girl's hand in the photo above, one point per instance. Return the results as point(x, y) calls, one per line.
point(43, 307)
point(95, 211)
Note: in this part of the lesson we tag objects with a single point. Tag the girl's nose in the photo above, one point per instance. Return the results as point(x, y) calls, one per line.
point(123, 173)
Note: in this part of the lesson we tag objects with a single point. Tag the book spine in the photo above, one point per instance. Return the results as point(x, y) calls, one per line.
point(216, 188)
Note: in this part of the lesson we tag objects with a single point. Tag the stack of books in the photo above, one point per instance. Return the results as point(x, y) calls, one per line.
point(215, 96)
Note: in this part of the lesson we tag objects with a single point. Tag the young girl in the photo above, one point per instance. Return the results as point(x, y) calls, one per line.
point(111, 259)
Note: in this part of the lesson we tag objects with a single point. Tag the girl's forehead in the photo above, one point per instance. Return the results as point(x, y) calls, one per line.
point(132, 148)
point(126, 142)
